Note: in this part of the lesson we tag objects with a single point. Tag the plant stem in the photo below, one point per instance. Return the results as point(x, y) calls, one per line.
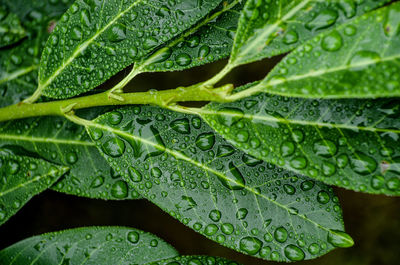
point(161, 98)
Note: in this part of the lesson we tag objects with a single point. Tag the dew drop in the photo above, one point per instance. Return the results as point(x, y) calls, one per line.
point(205, 141)
point(133, 237)
point(250, 245)
point(183, 59)
point(234, 179)
point(281, 234)
point(362, 164)
point(119, 190)
point(294, 253)
point(340, 239)
point(215, 215)
point(114, 147)
point(181, 126)
point(332, 42)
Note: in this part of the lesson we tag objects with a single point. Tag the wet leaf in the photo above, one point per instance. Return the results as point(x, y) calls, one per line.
point(94, 40)
point(11, 30)
point(269, 28)
point(62, 142)
point(21, 178)
point(178, 162)
point(350, 143)
point(195, 260)
point(345, 62)
point(94, 245)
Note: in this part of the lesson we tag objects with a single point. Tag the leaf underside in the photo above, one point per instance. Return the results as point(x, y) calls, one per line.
point(92, 245)
point(95, 40)
point(276, 27)
point(350, 143)
point(21, 178)
point(345, 62)
point(178, 163)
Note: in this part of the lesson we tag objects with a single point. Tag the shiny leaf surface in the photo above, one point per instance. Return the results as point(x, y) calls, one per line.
point(349, 143)
point(360, 59)
point(178, 162)
point(269, 28)
point(11, 30)
point(21, 178)
point(94, 245)
point(95, 40)
point(65, 143)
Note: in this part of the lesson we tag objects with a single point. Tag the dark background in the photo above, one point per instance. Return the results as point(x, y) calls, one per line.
point(373, 221)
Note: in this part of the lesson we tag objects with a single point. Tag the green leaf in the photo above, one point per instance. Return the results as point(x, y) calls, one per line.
point(60, 141)
point(195, 260)
point(94, 245)
point(19, 65)
point(276, 27)
point(11, 30)
point(350, 143)
point(177, 162)
point(345, 62)
point(21, 178)
point(95, 40)
point(211, 42)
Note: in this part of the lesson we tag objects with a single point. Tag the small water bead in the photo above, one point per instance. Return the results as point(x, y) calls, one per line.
point(71, 158)
point(291, 37)
point(287, 148)
point(181, 126)
point(332, 42)
point(3, 214)
point(76, 33)
point(250, 245)
point(183, 59)
point(328, 169)
point(342, 160)
point(340, 239)
point(289, 189)
point(119, 190)
point(133, 237)
point(156, 172)
point(241, 213)
point(307, 185)
point(211, 229)
point(205, 141)
point(294, 253)
point(13, 167)
point(227, 228)
point(96, 133)
point(393, 184)
point(154, 243)
point(215, 215)
point(323, 19)
point(135, 174)
point(97, 182)
point(204, 51)
point(114, 147)
point(314, 249)
point(362, 164)
point(242, 136)
point(298, 136)
point(323, 197)
point(281, 234)
point(115, 117)
point(350, 30)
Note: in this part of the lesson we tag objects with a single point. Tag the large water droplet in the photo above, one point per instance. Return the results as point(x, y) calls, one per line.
point(332, 42)
point(340, 239)
point(119, 190)
point(241, 213)
point(234, 179)
point(323, 20)
point(362, 164)
point(250, 245)
point(281, 234)
point(181, 126)
point(294, 253)
point(114, 147)
point(215, 215)
point(134, 174)
point(133, 237)
point(205, 141)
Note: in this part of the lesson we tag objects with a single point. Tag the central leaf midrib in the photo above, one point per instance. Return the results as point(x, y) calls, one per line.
point(44, 140)
point(16, 74)
point(83, 46)
point(183, 157)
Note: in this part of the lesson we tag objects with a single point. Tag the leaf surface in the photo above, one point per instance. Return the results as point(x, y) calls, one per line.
point(19, 65)
point(92, 245)
point(211, 42)
point(269, 28)
point(195, 260)
point(21, 178)
point(95, 40)
point(345, 62)
point(62, 142)
point(349, 143)
point(178, 162)
point(11, 30)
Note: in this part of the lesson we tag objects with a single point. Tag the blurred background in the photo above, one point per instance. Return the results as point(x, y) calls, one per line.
point(373, 221)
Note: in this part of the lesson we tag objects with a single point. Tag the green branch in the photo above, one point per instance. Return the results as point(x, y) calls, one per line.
point(161, 98)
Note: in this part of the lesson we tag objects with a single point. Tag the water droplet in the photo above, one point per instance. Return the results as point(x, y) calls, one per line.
point(234, 179)
point(96, 133)
point(76, 33)
point(377, 182)
point(251, 161)
point(204, 51)
point(362, 59)
point(287, 148)
point(134, 174)
point(291, 37)
point(349, 7)
point(211, 229)
point(281, 234)
point(225, 150)
point(289, 189)
point(133, 237)
point(325, 148)
point(229, 116)
point(183, 59)
point(332, 42)
point(215, 215)
point(393, 184)
point(299, 162)
point(323, 19)
point(205, 141)
point(242, 136)
point(241, 213)
point(314, 249)
point(181, 126)
point(227, 228)
point(362, 164)
point(114, 147)
point(115, 117)
point(156, 172)
point(323, 197)
point(307, 185)
point(194, 41)
point(294, 253)
point(72, 158)
point(250, 245)
point(340, 239)
point(97, 182)
point(119, 190)
point(150, 43)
